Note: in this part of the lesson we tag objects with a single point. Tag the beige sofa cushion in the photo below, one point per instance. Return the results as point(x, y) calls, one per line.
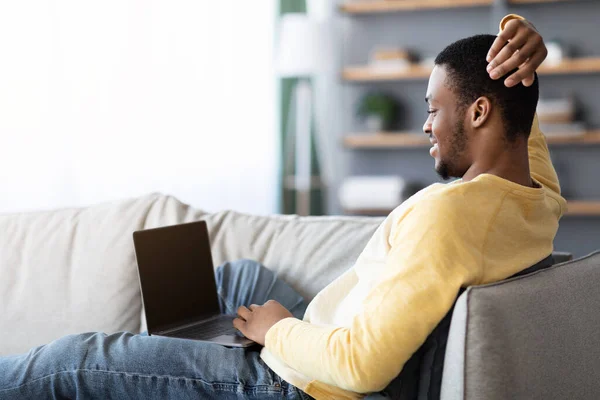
point(307, 252)
point(74, 270)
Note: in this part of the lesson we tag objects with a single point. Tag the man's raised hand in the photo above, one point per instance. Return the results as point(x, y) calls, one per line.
point(520, 46)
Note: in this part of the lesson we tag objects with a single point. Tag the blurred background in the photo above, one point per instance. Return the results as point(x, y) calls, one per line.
point(276, 106)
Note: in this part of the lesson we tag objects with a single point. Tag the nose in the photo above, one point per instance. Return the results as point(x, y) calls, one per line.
point(427, 127)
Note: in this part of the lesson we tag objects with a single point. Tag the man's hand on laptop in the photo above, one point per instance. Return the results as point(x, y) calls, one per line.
point(521, 46)
point(255, 321)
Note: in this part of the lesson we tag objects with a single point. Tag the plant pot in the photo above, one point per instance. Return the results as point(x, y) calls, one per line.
point(374, 123)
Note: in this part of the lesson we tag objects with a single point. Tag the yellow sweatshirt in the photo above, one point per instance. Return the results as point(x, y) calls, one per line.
point(360, 330)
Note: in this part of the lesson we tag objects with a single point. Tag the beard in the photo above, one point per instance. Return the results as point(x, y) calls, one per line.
point(443, 170)
point(449, 165)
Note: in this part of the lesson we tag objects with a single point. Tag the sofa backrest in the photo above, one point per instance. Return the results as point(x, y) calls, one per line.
point(530, 337)
point(74, 270)
point(307, 252)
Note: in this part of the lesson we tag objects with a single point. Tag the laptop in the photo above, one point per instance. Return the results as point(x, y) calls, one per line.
point(179, 292)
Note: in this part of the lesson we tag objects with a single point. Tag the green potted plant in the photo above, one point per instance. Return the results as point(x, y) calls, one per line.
point(378, 111)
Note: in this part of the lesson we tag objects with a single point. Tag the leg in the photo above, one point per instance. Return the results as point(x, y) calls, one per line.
point(245, 282)
point(123, 365)
point(126, 366)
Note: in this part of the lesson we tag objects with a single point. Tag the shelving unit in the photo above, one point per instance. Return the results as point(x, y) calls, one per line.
point(588, 65)
point(393, 153)
point(382, 6)
point(393, 140)
point(574, 208)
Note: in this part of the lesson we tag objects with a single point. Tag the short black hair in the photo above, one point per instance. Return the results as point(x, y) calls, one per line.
point(465, 65)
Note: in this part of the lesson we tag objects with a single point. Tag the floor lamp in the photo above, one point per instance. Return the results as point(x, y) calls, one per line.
point(297, 57)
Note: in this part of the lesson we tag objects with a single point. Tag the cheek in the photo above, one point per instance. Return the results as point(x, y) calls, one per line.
point(441, 131)
point(441, 122)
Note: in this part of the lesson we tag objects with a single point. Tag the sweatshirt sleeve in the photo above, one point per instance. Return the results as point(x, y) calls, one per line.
point(507, 18)
point(426, 266)
point(540, 164)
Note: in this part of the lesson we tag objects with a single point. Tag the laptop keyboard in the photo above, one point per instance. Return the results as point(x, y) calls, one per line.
point(207, 330)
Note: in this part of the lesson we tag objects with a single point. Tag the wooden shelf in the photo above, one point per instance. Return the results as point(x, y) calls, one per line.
point(583, 208)
point(586, 65)
point(369, 212)
point(366, 73)
point(383, 6)
point(574, 208)
point(573, 66)
point(537, 1)
point(393, 140)
point(590, 137)
point(386, 140)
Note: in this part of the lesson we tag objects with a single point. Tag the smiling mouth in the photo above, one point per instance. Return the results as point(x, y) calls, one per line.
point(434, 149)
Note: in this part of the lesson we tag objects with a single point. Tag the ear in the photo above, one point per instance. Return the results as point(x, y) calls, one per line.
point(480, 112)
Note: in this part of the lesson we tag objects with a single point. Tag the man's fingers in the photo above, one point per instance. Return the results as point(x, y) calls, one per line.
point(515, 78)
point(504, 36)
point(239, 324)
point(253, 306)
point(515, 53)
point(524, 72)
point(538, 57)
point(244, 312)
point(529, 80)
point(517, 60)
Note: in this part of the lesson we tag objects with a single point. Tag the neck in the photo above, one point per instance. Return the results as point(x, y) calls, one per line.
point(512, 165)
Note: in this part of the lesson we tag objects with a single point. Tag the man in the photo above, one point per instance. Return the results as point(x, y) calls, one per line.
point(498, 219)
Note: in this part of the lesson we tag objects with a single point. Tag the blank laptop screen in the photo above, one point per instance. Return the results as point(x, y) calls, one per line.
point(176, 274)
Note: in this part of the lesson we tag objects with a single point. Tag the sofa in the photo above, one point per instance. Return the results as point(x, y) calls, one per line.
point(74, 270)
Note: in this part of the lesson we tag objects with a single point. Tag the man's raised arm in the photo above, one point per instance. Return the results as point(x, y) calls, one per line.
point(540, 164)
point(520, 46)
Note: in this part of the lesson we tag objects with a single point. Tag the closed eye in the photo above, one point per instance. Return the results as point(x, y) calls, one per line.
point(431, 111)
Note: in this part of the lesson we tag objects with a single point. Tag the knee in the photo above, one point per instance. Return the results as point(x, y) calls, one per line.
point(72, 349)
point(241, 272)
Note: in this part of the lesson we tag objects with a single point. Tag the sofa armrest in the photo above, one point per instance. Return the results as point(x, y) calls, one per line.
point(533, 336)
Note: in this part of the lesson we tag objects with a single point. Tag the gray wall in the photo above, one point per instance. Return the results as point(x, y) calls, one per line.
point(576, 23)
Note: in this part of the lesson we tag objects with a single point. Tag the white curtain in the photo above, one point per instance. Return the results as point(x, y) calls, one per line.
point(328, 99)
point(101, 100)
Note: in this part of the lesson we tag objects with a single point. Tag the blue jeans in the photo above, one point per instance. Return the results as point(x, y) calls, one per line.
point(128, 366)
